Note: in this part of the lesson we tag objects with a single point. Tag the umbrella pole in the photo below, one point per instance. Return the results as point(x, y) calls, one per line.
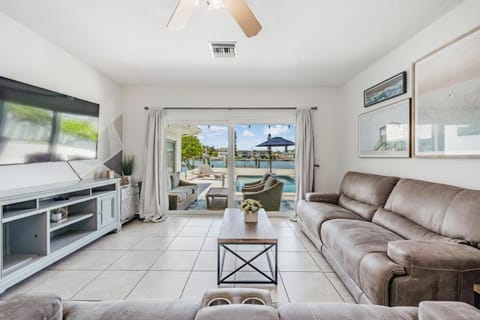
point(270, 152)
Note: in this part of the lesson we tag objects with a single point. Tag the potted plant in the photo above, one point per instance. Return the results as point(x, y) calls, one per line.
point(250, 209)
point(127, 168)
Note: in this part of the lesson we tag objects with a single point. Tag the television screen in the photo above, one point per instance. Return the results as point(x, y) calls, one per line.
point(38, 125)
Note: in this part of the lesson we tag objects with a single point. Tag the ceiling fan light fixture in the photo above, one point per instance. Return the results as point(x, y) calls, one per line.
point(215, 4)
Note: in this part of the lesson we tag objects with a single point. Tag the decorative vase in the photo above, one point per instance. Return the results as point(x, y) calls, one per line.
point(251, 216)
point(126, 180)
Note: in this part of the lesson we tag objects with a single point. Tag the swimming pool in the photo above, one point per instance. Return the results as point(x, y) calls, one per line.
point(288, 182)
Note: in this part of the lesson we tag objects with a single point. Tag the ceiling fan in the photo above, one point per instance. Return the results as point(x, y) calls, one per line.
point(238, 9)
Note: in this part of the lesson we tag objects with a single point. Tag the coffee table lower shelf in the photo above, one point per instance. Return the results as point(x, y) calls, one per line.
point(269, 249)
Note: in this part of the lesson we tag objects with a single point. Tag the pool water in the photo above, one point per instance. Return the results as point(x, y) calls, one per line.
point(288, 182)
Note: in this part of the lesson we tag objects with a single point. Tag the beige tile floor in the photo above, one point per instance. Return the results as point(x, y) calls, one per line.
point(177, 260)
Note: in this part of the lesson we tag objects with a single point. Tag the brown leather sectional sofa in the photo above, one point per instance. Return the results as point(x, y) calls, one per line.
point(243, 303)
point(397, 242)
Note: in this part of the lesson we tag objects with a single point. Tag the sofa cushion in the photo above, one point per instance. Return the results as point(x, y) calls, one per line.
point(25, 307)
point(236, 295)
point(407, 228)
point(463, 217)
point(314, 214)
point(363, 193)
point(126, 310)
point(344, 311)
point(360, 247)
point(447, 310)
point(446, 210)
point(238, 312)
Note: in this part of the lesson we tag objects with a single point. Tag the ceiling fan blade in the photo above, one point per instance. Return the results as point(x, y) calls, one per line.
point(181, 15)
point(244, 17)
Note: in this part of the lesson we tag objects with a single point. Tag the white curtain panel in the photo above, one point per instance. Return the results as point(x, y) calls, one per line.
point(304, 160)
point(154, 195)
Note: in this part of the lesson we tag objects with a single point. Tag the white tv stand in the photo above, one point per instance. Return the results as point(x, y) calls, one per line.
point(31, 242)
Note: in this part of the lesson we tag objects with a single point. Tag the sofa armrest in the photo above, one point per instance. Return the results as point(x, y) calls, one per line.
point(446, 310)
point(322, 197)
point(435, 255)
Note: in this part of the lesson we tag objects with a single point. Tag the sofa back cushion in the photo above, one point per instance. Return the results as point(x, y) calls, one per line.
point(446, 210)
point(126, 310)
point(364, 193)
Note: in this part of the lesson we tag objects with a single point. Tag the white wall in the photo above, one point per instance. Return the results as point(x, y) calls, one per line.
point(326, 118)
point(27, 57)
point(461, 172)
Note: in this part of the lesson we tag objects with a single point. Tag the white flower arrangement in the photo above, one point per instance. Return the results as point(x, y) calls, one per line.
point(250, 206)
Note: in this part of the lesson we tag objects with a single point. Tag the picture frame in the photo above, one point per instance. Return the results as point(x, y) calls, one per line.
point(385, 90)
point(386, 132)
point(446, 106)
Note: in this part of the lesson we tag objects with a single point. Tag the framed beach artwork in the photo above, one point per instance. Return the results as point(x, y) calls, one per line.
point(385, 90)
point(447, 100)
point(385, 132)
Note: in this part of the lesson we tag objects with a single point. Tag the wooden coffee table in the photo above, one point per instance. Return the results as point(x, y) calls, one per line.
point(212, 203)
point(235, 234)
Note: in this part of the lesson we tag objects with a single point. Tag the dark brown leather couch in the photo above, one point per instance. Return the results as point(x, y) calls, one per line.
point(398, 241)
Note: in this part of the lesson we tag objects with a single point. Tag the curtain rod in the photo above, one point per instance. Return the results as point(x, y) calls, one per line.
point(225, 108)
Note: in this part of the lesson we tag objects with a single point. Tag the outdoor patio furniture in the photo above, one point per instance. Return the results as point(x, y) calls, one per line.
point(181, 194)
point(204, 170)
point(269, 194)
point(217, 198)
point(248, 186)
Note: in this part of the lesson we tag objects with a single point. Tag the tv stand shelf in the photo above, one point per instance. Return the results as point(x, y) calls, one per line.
point(30, 241)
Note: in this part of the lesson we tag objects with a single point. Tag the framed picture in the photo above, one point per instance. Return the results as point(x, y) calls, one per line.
point(447, 100)
point(385, 132)
point(385, 90)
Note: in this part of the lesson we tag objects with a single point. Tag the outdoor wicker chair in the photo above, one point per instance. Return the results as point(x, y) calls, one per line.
point(269, 194)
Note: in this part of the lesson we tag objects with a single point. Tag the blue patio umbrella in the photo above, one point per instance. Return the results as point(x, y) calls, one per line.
point(275, 142)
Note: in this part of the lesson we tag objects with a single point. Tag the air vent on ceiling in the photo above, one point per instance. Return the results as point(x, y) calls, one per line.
point(223, 49)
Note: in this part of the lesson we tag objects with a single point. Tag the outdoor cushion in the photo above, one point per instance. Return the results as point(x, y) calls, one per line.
point(181, 194)
point(175, 179)
point(270, 182)
point(186, 189)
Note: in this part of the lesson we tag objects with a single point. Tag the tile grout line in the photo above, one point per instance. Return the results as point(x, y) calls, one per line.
point(106, 269)
point(150, 268)
point(102, 271)
point(194, 263)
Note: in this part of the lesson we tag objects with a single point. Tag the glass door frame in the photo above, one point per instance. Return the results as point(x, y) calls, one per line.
point(230, 124)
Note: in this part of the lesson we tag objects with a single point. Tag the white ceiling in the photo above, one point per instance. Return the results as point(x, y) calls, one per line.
point(303, 42)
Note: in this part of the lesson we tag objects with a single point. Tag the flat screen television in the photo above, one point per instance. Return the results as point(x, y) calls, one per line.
point(39, 125)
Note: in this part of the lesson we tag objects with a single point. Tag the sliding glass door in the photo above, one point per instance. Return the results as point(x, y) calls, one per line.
point(211, 162)
point(265, 165)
